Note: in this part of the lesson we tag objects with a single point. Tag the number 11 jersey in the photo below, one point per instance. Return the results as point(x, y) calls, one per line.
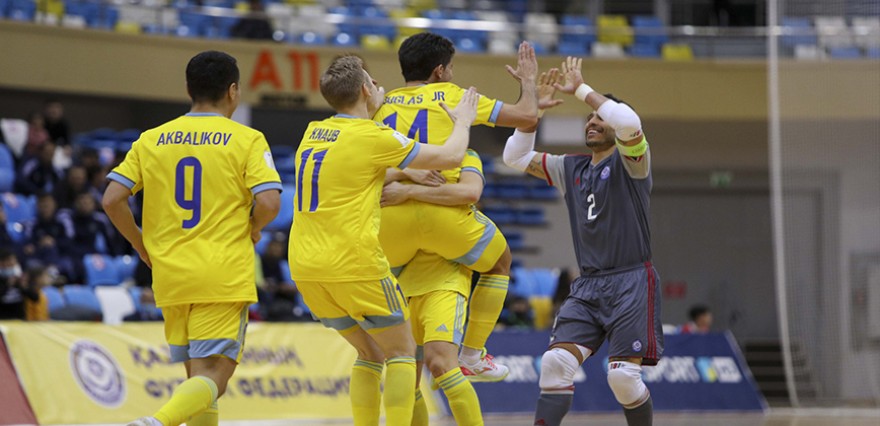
point(340, 169)
point(199, 174)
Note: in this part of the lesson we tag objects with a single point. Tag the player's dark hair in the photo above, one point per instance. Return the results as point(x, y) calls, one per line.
point(618, 100)
point(209, 75)
point(341, 83)
point(421, 53)
point(698, 311)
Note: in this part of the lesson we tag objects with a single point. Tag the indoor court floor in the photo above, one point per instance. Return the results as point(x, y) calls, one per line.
point(776, 417)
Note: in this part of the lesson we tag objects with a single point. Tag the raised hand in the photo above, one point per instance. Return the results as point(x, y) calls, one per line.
point(526, 64)
point(466, 110)
point(571, 72)
point(546, 89)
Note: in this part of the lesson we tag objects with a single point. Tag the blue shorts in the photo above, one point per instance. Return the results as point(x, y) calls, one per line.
point(622, 305)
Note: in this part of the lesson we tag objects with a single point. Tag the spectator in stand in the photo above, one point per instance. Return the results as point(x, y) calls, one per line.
point(6, 242)
point(563, 289)
point(517, 313)
point(37, 135)
point(48, 237)
point(255, 25)
point(38, 278)
point(13, 288)
point(37, 174)
point(75, 182)
point(88, 226)
point(56, 124)
point(272, 259)
point(701, 320)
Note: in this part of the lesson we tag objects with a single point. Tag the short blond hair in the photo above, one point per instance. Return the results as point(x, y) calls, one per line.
point(341, 83)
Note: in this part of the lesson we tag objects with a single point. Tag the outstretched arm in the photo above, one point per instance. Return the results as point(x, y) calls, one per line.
point(519, 152)
point(466, 191)
point(524, 112)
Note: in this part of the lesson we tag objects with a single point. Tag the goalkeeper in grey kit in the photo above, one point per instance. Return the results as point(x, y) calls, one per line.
point(607, 193)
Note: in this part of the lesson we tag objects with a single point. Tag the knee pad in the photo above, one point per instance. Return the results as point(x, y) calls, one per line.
point(625, 380)
point(558, 367)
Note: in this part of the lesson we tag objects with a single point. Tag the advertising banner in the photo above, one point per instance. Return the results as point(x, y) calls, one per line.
point(93, 373)
point(697, 372)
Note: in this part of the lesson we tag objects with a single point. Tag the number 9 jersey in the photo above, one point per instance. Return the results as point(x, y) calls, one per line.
point(415, 111)
point(199, 174)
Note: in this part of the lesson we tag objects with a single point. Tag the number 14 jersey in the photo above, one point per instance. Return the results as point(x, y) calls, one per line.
point(415, 111)
point(199, 174)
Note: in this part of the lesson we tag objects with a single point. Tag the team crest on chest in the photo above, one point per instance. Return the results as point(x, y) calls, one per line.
point(605, 173)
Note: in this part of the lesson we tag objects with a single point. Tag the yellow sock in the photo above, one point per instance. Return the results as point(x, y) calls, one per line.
point(463, 401)
point(400, 395)
point(209, 417)
point(190, 398)
point(366, 394)
point(420, 412)
point(486, 302)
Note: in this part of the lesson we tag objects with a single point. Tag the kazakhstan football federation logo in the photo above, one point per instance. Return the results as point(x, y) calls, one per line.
point(97, 373)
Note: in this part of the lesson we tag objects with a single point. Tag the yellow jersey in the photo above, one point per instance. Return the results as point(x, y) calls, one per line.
point(415, 111)
point(340, 171)
point(199, 174)
point(428, 272)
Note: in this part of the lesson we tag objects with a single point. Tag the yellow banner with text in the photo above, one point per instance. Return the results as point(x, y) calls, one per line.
point(93, 373)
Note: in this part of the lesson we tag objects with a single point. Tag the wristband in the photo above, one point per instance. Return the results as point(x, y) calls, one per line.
point(636, 150)
point(582, 91)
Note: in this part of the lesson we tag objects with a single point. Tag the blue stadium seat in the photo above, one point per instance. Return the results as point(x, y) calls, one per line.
point(19, 208)
point(850, 52)
point(530, 216)
point(573, 48)
point(490, 190)
point(488, 165)
point(524, 283)
point(545, 282)
point(16, 232)
point(103, 133)
point(577, 32)
point(282, 150)
point(285, 216)
point(649, 31)
point(344, 39)
point(515, 240)
point(264, 242)
point(542, 191)
point(79, 295)
point(500, 215)
point(22, 10)
point(285, 164)
point(803, 27)
point(125, 266)
point(222, 26)
point(100, 270)
point(513, 191)
point(193, 24)
point(645, 50)
point(872, 53)
point(54, 297)
point(136, 293)
point(309, 38)
point(469, 45)
point(128, 135)
point(4, 7)
point(7, 169)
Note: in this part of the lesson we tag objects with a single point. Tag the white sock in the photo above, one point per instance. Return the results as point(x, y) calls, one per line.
point(470, 356)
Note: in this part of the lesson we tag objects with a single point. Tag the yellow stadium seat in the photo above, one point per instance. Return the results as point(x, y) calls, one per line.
point(242, 7)
point(300, 1)
point(542, 307)
point(51, 7)
point(421, 5)
point(615, 29)
point(405, 13)
point(375, 42)
point(677, 52)
point(128, 27)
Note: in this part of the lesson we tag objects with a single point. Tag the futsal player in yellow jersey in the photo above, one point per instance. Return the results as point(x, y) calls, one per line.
point(201, 174)
point(335, 257)
point(437, 291)
point(458, 233)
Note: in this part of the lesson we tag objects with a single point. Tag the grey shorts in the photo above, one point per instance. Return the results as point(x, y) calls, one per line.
point(621, 305)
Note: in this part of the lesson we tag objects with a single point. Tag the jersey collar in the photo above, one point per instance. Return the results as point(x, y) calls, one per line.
point(345, 116)
point(203, 114)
